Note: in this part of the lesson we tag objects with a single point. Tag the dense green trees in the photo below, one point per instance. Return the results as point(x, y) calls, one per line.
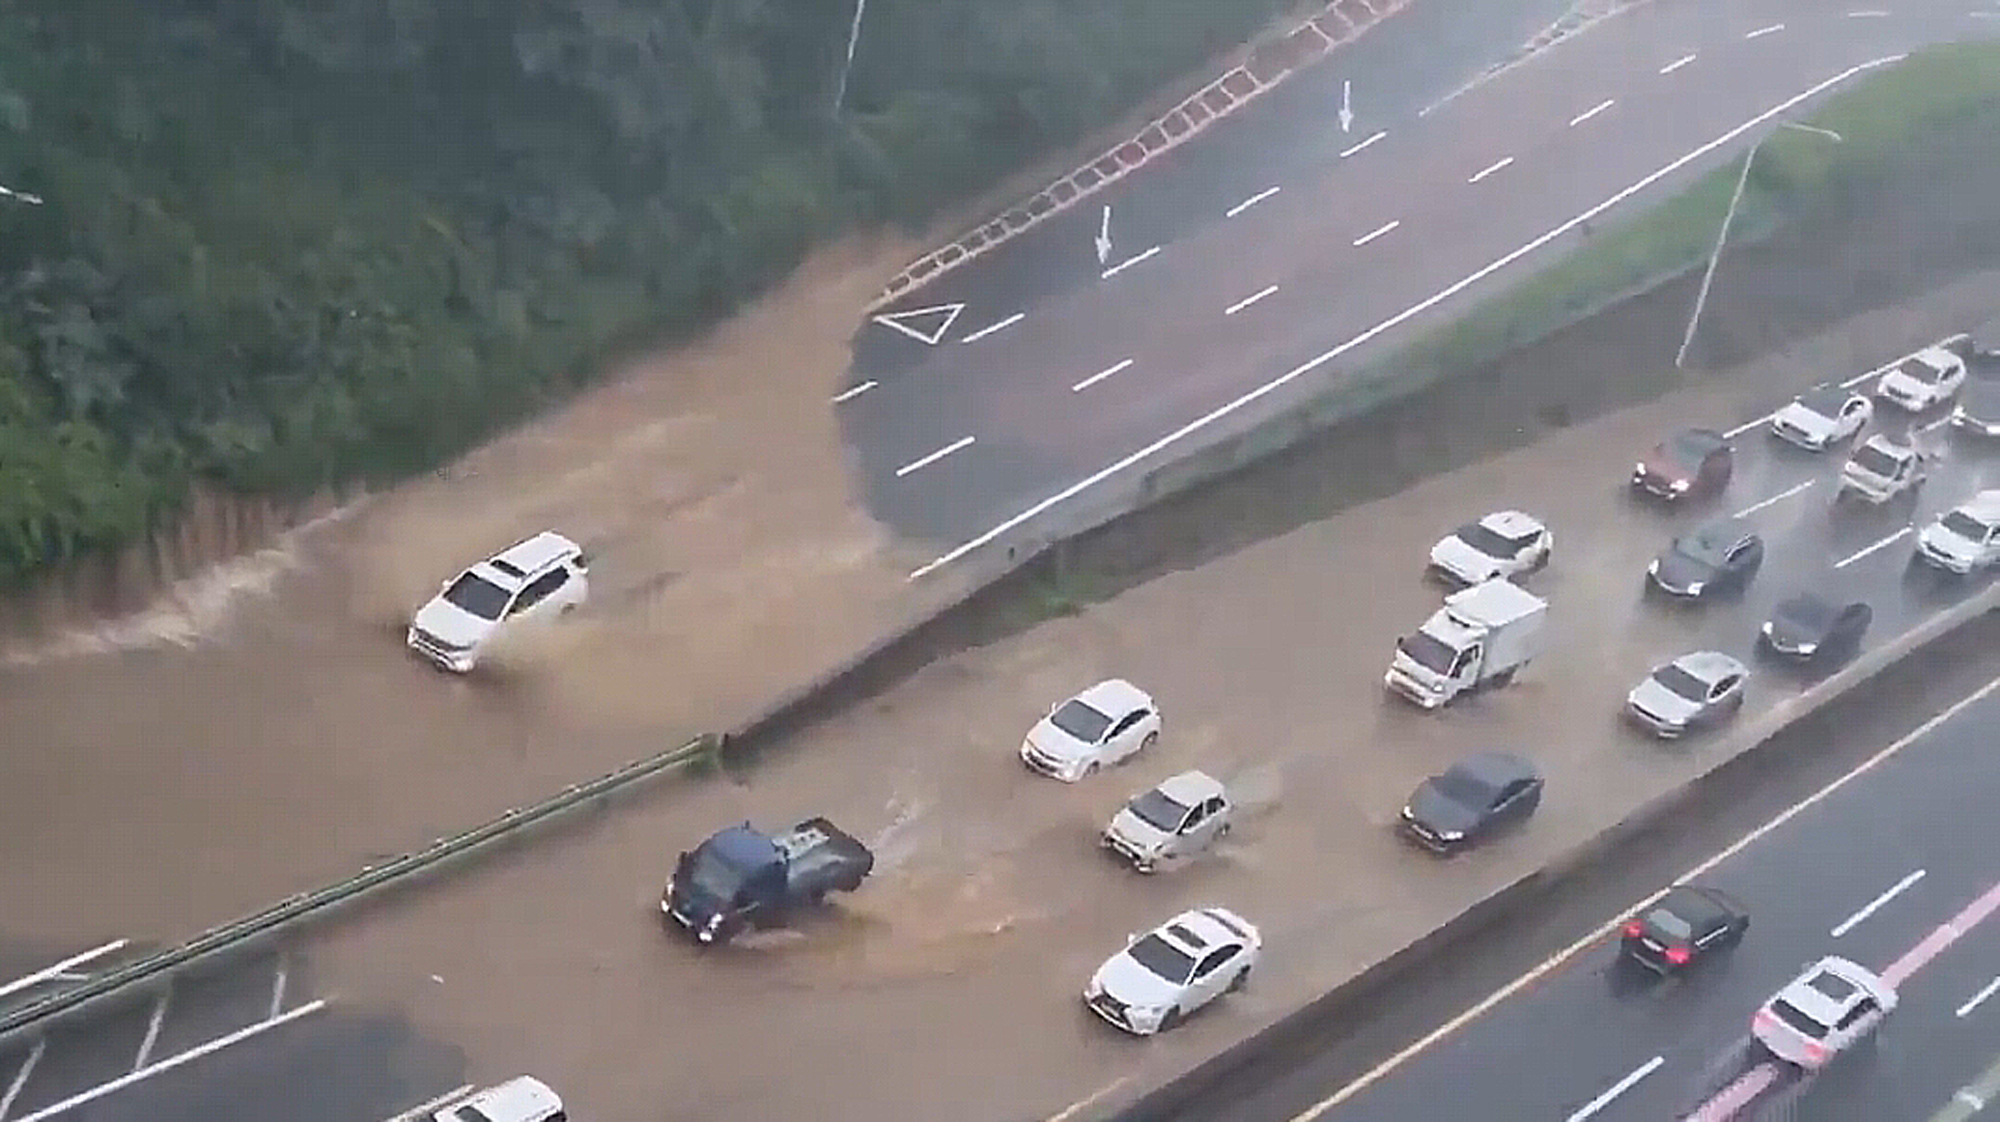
point(290, 242)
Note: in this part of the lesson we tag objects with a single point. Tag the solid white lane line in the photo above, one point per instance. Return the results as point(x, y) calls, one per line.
point(1377, 232)
point(172, 1062)
point(60, 969)
point(1084, 1103)
point(21, 1076)
point(927, 460)
point(1762, 31)
point(992, 327)
point(1875, 905)
point(1885, 543)
point(1777, 498)
point(1677, 64)
point(849, 395)
point(1358, 147)
point(1590, 940)
point(1491, 168)
point(1129, 262)
point(1249, 300)
point(1592, 111)
point(1157, 444)
point(1616, 1089)
point(1253, 200)
point(152, 1030)
point(1978, 999)
point(1101, 375)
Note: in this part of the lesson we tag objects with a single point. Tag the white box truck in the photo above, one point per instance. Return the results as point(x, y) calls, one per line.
point(1480, 638)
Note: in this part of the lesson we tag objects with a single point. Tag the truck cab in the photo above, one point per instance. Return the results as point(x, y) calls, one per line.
point(1481, 637)
point(743, 878)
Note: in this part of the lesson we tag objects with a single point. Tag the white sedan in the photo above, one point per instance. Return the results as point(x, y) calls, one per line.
point(1924, 380)
point(1503, 544)
point(1821, 418)
point(1163, 976)
point(1106, 724)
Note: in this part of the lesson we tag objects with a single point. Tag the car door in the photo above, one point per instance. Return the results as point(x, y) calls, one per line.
point(1725, 697)
point(1742, 560)
point(1511, 804)
point(537, 595)
point(1853, 415)
point(1212, 976)
point(1857, 1021)
point(1187, 839)
point(1123, 739)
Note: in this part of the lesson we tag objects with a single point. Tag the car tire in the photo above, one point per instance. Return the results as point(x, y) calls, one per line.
point(1145, 745)
point(1241, 979)
point(1541, 561)
point(1172, 1019)
point(1503, 679)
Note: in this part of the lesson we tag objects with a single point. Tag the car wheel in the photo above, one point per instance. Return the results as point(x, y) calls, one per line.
point(1241, 979)
point(1541, 561)
point(1504, 678)
point(1090, 769)
point(1152, 738)
point(1172, 1018)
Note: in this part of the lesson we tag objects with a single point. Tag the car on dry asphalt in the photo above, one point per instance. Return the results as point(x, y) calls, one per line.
point(1823, 1012)
point(1687, 925)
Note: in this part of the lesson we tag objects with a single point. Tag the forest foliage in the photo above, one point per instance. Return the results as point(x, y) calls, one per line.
point(284, 244)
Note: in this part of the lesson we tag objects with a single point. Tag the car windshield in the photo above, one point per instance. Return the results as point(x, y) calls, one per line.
point(1825, 402)
point(1875, 461)
point(1668, 924)
point(1487, 541)
point(1428, 651)
point(1080, 721)
point(1921, 371)
point(1463, 787)
point(471, 1114)
point(1162, 958)
point(1157, 810)
point(478, 596)
point(1797, 1018)
point(711, 875)
point(1707, 547)
point(1808, 612)
point(1964, 525)
point(1681, 683)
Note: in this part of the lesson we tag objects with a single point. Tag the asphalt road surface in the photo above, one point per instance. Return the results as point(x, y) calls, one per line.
point(961, 441)
point(1826, 882)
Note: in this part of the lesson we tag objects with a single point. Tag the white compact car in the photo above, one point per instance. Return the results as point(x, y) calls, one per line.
point(1883, 468)
point(546, 575)
point(1829, 1008)
point(1166, 974)
point(1106, 724)
point(1966, 538)
point(1924, 380)
point(521, 1099)
point(1503, 544)
point(1821, 418)
point(1172, 823)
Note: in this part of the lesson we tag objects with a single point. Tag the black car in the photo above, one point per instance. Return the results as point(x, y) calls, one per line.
point(1689, 463)
point(1686, 924)
point(1978, 409)
point(1810, 626)
point(1470, 800)
point(1719, 557)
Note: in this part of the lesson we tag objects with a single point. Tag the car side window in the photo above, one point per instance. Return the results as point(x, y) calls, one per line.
point(558, 1116)
point(1124, 725)
point(1214, 805)
point(1195, 817)
point(539, 590)
point(1861, 1009)
point(1510, 792)
point(1214, 961)
point(1723, 687)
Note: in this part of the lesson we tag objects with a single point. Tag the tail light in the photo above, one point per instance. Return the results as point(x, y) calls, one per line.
point(1678, 955)
point(1815, 1052)
point(1633, 928)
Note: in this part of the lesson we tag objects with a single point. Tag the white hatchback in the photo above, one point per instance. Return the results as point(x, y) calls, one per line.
point(1924, 380)
point(1833, 1005)
point(1166, 974)
point(1505, 543)
point(1106, 724)
point(543, 576)
point(520, 1099)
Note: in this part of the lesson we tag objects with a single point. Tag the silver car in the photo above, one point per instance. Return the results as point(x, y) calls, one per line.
point(1696, 690)
point(1172, 823)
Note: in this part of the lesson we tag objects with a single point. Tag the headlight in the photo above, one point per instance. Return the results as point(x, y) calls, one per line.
point(1694, 587)
point(1807, 648)
point(1653, 568)
point(1677, 486)
point(1451, 835)
point(1638, 469)
point(1766, 629)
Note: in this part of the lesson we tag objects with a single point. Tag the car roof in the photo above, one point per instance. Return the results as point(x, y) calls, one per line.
point(1831, 987)
point(1115, 697)
point(1936, 356)
point(1512, 523)
point(536, 553)
point(1199, 930)
point(1709, 666)
point(1724, 532)
point(1699, 906)
point(1826, 397)
point(1190, 788)
point(523, 1096)
point(1895, 446)
point(1985, 506)
point(1494, 768)
point(1701, 440)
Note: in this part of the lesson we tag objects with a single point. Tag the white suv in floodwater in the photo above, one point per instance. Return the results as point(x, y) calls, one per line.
point(546, 575)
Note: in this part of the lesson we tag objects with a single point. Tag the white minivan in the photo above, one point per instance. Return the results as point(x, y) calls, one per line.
point(543, 576)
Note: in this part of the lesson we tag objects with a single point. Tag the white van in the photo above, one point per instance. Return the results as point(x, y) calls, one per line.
point(543, 576)
point(521, 1099)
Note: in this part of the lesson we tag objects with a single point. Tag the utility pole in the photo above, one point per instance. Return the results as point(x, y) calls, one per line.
point(853, 39)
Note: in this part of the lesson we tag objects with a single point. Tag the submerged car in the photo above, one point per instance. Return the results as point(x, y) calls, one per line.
point(1503, 544)
point(1966, 538)
point(1106, 724)
point(1471, 800)
point(1821, 418)
point(1691, 463)
point(542, 576)
point(1882, 468)
point(1720, 557)
point(1826, 1010)
point(1810, 626)
point(1924, 380)
point(1172, 823)
point(1696, 690)
point(1683, 927)
point(1163, 976)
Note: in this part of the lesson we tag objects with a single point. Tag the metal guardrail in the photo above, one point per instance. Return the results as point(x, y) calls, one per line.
point(233, 937)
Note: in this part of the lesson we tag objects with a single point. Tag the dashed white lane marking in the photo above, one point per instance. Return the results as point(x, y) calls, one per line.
point(1378, 232)
point(1865, 551)
point(21, 1074)
point(1358, 147)
point(1867, 13)
point(152, 1030)
point(1084, 1103)
point(1777, 498)
point(1591, 1108)
point(1491, 168)
point(1763, 31)
point(851, 394)
point(992, 327)
point(1249, 300)
point(1257, 393)
point(1253, 200)
point(1592, 111)
point(1677, 64)
point(60, 969)
point(1978, 999)
point(1875, 905)
point(1100, 375)
point(925, 461)
point(1933, 426)
point(1129, 262)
